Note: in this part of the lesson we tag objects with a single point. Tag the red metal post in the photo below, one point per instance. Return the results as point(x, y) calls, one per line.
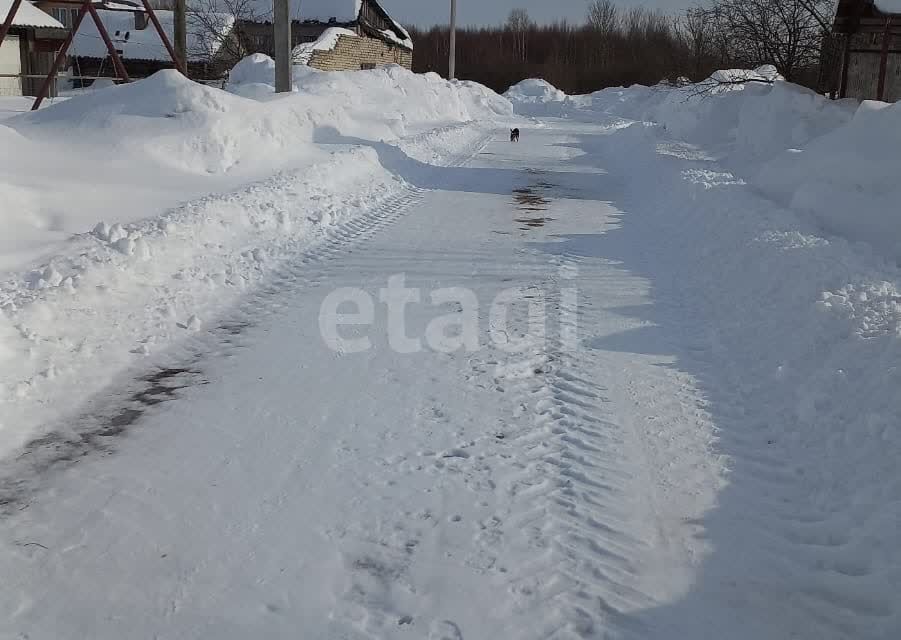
point(4, 28)
point(181, 65)
point(60, 56)
point(117, 61)
point(883, 62)
point(846, 61)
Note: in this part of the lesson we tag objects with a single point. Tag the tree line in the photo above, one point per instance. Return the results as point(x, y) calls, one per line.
point(618, 46)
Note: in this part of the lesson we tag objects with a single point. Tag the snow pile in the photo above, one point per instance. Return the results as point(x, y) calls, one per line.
point(256, 68)
point(196, 129)
point(397, 102)
point(848, 178)
point(303, 52)
point(794, 337)
point(835, 161)
point(765, 73)
point(110, 223)
point(535, 97)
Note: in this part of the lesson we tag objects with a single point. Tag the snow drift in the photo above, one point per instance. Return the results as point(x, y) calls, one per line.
point(848, 178)
point(535, 97)
point(169, 199)
point(835, 161)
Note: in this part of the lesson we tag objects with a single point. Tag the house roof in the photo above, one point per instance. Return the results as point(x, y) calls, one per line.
point(889, 6)
point(29, 15)
point(145, 44)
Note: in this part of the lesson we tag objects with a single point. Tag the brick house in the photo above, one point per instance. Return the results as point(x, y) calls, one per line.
point(868, 45)
point(333, 35)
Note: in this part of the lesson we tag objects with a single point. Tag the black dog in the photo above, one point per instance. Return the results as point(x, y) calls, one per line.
point(514, 135)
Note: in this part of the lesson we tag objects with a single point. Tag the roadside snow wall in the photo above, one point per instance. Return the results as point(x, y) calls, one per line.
point(834, 161)
point(133, 215)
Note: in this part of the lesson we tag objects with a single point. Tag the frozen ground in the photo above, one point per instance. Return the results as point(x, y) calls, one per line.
point(702, 443)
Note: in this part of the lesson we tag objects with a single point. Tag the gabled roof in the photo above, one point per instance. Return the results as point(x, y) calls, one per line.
point(29, 15)
point(145, 44)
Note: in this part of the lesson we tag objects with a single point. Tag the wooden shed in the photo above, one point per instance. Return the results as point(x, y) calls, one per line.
point(28, 49)
point(869, 39)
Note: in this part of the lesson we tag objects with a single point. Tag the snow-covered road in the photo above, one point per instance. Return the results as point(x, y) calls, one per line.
point(263, 484)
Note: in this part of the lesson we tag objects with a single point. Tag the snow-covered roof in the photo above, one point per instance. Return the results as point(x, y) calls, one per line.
point(889, 6)
point(145, 44)
point(303, 52)
point(402, 37)
point(29, 15)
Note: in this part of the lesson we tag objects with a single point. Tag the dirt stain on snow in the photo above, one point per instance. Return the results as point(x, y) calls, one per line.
point(534, 200)
point(528, 199)
point(91, 433)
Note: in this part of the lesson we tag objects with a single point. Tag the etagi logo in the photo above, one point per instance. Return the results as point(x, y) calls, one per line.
point(456, 331)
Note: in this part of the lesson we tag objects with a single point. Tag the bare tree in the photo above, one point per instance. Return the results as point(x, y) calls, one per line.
point(699, 38)
point(785, 33)
point(213, 27)
point(519, 23)
point(603, 17)
point(823, 11)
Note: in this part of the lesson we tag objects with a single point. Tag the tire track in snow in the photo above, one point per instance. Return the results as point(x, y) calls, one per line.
point(568, 490)
point(102, 422)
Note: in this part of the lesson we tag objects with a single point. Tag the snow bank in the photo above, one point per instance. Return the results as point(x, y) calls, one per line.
point(794, 338)
point(134, 213)
point(397, 102)
point(836, 161)
point(847, 179)
point(535, 97)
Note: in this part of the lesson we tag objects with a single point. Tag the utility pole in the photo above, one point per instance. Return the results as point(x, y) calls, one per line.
point(452, 64)
point(282, 25)
point(181, 35)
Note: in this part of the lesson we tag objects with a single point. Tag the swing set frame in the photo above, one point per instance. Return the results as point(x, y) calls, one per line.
point(89, 7)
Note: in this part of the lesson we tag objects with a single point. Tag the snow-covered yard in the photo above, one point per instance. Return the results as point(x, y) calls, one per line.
point(633, 377)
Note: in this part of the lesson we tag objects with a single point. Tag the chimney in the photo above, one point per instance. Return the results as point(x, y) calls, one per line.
point(140, 20)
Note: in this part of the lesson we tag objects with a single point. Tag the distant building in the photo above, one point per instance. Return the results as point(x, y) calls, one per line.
point(332, 35)
point(868, 51)
point(27, 52)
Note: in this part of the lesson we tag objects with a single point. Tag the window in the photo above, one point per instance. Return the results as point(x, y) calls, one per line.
point(65, 15)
